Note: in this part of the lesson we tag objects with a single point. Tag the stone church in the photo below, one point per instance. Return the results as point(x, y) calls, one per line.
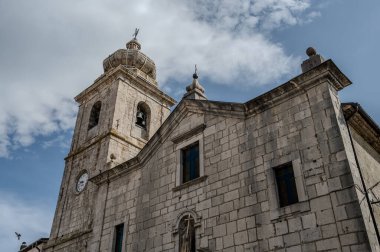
point(293, 169)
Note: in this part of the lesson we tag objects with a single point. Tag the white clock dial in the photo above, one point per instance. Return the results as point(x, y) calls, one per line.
point(82, 181)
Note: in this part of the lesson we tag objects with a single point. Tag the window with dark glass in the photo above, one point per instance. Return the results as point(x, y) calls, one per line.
point(190, 162)
point(94, 115)
point(119, 231)
point(286, 184)
point(186, 234)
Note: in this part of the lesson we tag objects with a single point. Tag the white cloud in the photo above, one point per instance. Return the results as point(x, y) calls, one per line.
point(245, 15)
point(31, 219)
point(52, 50)
point(60, 141)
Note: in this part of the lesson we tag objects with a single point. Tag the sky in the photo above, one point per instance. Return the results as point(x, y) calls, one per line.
point(51, 50)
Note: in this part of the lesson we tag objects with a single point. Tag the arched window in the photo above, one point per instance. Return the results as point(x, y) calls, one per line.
point(142, 115)
point(186, 233)
point(94, 116)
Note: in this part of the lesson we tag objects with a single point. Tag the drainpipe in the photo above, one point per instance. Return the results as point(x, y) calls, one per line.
point(361, 175)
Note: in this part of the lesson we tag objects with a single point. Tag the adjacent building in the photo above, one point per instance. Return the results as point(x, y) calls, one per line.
point(35, 246)
point(290, 170)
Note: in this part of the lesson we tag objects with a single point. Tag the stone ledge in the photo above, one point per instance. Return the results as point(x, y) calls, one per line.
point(122, 73)
point(291, 210)
point(139, 143)
point(362, 123)
point(327, 71)
point(67, 237)
point(189, 183)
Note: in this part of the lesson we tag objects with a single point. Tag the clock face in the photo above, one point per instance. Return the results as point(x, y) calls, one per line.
point(82, 181)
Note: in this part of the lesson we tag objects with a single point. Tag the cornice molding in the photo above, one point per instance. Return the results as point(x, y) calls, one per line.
point(65, 238)
point(363, 124)
point(112, 133)
point(123, 73)
point(325, 72)
point(113, 173)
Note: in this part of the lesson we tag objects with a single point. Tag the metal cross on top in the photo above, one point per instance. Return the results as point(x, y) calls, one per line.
point(136, 32)
point(195, 75)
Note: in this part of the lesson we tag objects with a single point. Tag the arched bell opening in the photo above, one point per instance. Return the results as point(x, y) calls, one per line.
point(143, 115)
point(142, 120)
point(94, 115)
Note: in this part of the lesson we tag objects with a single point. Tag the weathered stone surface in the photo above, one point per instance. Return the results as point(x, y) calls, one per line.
point(234, 202)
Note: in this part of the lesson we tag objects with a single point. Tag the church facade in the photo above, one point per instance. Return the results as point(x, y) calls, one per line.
point(290, 170)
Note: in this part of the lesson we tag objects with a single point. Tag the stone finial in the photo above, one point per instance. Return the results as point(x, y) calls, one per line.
point(195, 91)
point(133, 44)
point(311, 51)
point(313, 60)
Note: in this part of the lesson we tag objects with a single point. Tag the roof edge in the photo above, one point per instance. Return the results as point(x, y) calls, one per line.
point(327, 70)
point(355, 116)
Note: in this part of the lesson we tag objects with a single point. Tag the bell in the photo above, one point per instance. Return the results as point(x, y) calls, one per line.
point(140, 116)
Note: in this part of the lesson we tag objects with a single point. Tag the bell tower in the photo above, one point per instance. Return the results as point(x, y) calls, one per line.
point(131, 106)
point(117, 115)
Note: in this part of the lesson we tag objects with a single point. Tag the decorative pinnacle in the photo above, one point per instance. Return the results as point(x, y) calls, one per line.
point(195, 91)
point(195, 75)
point(313, 60)
point(135, 33)
point(134, 44)
point(311, 51)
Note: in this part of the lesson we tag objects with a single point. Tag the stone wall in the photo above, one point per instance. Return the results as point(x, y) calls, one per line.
point(359, 207)
point(117, 134)
point(369, 161)
point(89, 152)
point(236, 204)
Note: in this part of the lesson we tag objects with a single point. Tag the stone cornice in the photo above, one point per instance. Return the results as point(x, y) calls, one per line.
point(104, 79)
point(228, 109)
point(67, 237)
point(371, 136)
point(135, 78)
point(113, 133)
point(327, 71)
point(362, 123)
point(123, 73)
point(338, 78)
point(116, 171)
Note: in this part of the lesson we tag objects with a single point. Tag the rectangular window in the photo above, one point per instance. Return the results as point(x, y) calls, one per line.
point(190, 162)
point(119, 231)
point(286, 184)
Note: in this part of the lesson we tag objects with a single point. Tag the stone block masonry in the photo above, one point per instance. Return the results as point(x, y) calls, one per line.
point(234, 202)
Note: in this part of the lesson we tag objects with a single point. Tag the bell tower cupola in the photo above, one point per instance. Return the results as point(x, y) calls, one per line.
point(133, 59)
